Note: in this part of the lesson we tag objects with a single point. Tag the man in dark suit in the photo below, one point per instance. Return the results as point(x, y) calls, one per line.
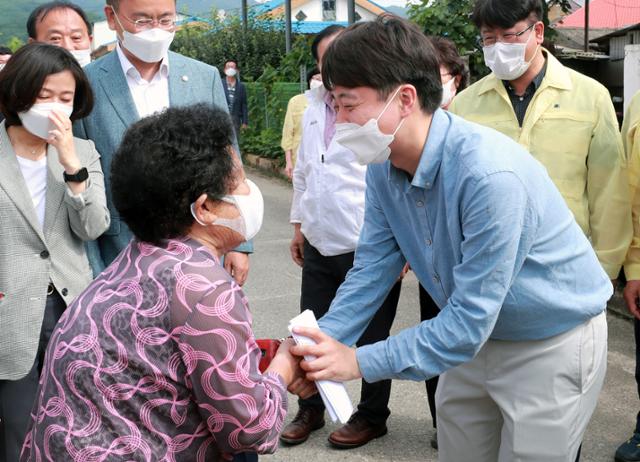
point(236, 94)
point(141, 77)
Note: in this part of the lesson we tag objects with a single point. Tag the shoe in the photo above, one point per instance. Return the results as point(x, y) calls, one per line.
point(357, 432)
point(630, 450)
point(307, 419)
point(434, 440)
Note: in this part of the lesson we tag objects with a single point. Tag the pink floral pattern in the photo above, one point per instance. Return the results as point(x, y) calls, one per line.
point(156, 361)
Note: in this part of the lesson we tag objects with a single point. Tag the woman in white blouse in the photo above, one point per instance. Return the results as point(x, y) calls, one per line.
point(52, 199)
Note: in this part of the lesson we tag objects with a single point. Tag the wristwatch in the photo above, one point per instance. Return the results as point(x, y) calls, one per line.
point(78, 177)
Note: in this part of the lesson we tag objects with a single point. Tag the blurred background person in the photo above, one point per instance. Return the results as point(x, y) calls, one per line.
point(51, 200)
point(5, 54)
point(183, 382)
point(292, 126)
point(64, 24)
point(236, 94)
point(453, 69)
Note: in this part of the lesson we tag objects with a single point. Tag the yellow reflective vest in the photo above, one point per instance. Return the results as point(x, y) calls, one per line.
point(631, 140)
point(571, 128)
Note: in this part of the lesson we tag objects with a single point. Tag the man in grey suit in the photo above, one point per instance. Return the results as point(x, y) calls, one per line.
point(135, 80)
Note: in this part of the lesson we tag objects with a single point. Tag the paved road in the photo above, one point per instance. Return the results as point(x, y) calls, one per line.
point(274, 290)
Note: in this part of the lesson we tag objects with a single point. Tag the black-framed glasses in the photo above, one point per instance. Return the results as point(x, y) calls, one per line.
point(510, 37)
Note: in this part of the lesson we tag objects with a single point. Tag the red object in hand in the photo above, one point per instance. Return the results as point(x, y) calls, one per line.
point(268, 348)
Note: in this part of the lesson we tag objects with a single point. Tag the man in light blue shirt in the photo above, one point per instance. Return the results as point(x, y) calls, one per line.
point(521, 336)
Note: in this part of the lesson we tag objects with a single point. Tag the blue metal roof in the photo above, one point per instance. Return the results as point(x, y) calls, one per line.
point(313, 27)
point(273, 4)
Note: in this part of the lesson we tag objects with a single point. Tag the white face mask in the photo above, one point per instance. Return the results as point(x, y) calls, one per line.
point(36, 119)
point(231, 72)
point(251, 207)
point(367, 142)
point(150, 45)
point(82, 56)
point(448, 92)
point(507, 60)
point(315, 83)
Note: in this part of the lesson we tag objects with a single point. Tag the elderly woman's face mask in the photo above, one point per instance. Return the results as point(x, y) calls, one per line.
point(251, 208)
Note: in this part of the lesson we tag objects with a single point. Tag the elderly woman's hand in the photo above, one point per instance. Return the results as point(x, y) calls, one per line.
point(288, 367)
point(237, 265)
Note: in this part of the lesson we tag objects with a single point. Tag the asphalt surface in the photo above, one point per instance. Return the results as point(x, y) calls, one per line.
point(273, 289)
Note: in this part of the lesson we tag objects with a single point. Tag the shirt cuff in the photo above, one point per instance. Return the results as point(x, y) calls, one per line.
point(374, 362)
point(612, 270)
point(77, 201)
point(632, 271)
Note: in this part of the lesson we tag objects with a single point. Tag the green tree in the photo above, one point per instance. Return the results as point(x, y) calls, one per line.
point(14, 43)
point(452, 19)
point(261, 47)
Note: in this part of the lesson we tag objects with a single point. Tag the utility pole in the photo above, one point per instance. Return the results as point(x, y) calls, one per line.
point(245, 16)
point(586, 25)
point(351, 11)
point(287, 25)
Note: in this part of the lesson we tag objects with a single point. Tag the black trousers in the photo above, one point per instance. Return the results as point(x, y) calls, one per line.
point(429, 310)
point(321, 278)
point(17, 396)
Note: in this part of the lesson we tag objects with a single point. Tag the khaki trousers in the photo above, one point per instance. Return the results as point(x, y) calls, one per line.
point(525, 401)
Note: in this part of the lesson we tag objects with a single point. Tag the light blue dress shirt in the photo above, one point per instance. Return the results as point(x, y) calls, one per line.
point(489, 237)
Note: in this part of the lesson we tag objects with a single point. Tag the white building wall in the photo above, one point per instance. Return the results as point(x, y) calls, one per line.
point(102, 35)
point(313, 10)
point(631, 73)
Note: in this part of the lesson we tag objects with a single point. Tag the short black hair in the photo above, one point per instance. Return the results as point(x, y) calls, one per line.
point(5, 51)
point(384, 54)
point(231, 61)
point(449, 57)
point(323, 34)
point(504, 14)
point(165, 162)
point(24, 74)
point(41, 12)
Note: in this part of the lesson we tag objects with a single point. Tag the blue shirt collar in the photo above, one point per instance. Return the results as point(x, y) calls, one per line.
point(430, 159)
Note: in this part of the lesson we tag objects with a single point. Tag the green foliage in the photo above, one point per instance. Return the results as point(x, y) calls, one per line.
point(452, 19)
point(266, 70)
point(260, 46)
point(14, 43)
point(267, 108)
point(263, 143)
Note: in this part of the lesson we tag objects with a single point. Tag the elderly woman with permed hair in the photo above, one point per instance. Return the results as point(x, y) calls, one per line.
point(157, 360)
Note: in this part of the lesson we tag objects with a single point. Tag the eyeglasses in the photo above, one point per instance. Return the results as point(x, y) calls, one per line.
point(511, 37)
point(166, 22)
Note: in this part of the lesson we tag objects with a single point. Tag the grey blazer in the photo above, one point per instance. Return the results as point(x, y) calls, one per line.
point(190, 82)
point(31, 257)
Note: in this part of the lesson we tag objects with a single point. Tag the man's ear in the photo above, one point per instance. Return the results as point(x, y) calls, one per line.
point(408, 99)
point(539, 31)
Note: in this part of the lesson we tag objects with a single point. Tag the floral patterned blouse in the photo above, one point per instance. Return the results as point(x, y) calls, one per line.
point(156, 360)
